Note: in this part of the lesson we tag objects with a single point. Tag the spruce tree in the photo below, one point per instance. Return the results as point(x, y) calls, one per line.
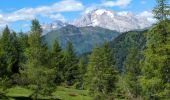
point(82, 68)
point(36, 68)
point(162, 10)
point(5, 49)
point(23, 42)
point(10, 51)
point(101, 72)
point(14, 53)
point(156, 70)
point(70, 65)
point(57, 62)
point(92, 69)
point(132, 72)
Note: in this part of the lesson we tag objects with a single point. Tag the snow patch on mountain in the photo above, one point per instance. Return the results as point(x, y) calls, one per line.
point(119, 21)
point(53, 26)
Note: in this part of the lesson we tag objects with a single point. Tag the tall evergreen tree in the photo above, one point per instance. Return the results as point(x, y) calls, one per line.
point(57, 62)
point(23, 42)
point(162, 10)
point(132, 72)
point(82, 68)
point(109, 72)
point(14, 53)
point(101, 72)
point(5, 45)
point(36, 67)
point(10, 51)
point(70, 67)
point(156, 70)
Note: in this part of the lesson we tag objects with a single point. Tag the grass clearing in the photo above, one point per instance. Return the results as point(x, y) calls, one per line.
point(18, 92)
point(60, 93)
point(71, 94)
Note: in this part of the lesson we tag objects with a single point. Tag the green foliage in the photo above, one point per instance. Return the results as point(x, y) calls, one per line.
point(36, 68)
point(155, 69)
point(83, 38)
point(161, 11)
point(23, 43)
point(57, 62)
point(5, 45)
point(5, 83)
point(82, 69)
point(71, 94)
point(132, 72)
point(14, 54)
point(70, 65)
point(123, 43)
point(9, 52)
point(101, 73)
point(3, 69)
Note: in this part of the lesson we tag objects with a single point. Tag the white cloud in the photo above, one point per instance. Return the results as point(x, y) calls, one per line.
point(1, 16)
point(147, 14)
point(46, 11)
point(119, 3)
point(56, 17)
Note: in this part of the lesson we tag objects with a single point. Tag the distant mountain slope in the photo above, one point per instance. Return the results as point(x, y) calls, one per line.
point(83, 38)
point(124, 42)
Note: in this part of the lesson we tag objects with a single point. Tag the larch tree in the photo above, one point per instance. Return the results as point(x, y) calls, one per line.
point(155, 80)
point(36, 68)
point(132, 72)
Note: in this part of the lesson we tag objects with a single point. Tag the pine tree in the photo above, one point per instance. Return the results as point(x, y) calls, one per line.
point(82, 68)
point(57, 62)
point(92, 69)
point(156, 70)
point(23, 42)
point(162, 10)
point(70, 65)
point(14, 53)
point(10, 51)
point(36, 68)
point(109, 72)
point(5, 45)
point(132, 72)
point(102, 71)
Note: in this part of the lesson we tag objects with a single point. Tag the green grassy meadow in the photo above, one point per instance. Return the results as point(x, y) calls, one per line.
point(61, 93)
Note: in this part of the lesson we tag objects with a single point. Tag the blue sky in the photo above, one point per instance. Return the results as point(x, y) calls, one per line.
point(19, 13)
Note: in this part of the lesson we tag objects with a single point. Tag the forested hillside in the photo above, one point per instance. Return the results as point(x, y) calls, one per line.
point(83, 38)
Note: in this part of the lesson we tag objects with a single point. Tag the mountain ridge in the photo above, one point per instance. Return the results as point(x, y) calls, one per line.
point(108, 19)
point(83, 38)
point(119, 21)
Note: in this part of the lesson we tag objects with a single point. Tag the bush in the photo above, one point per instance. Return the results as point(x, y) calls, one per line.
point(4, 84)
point(20, 80)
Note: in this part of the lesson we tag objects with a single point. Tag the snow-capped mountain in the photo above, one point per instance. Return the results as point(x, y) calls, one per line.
point(53, 26)
point(121, 22)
